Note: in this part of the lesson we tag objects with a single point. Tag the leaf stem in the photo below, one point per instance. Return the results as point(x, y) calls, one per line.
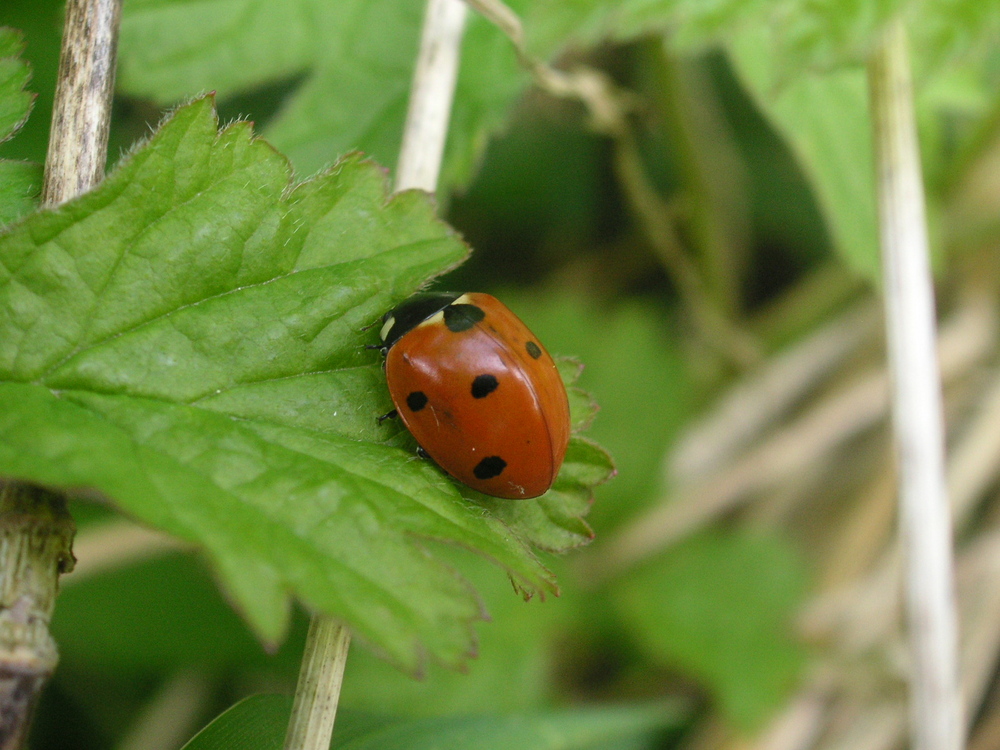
point(318, 690)
point(321, 675)
point(925, 521)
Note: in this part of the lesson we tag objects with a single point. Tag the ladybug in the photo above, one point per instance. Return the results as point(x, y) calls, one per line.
point(478, 391)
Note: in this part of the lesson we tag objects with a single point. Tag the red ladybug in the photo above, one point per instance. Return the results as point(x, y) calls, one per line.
point(478, 391)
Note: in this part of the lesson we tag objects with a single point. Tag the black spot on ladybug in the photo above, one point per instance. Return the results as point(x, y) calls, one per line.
point(460, 318)
point(533, 349)
point(416, 400)
point(484, 385)
point(489, 467)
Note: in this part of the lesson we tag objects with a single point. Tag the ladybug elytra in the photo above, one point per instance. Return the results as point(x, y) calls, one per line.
point(477, 390)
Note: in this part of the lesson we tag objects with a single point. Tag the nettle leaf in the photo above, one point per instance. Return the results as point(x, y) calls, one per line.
point(20, 182)
point(187, 340)
point(352, 61)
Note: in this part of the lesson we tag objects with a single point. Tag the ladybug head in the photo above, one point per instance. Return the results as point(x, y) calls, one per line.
point(410, 313)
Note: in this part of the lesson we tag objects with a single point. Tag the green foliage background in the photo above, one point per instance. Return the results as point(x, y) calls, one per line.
point(775, 88)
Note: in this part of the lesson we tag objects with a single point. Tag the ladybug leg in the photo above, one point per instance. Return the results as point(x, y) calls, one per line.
point(388, 415)
point(423, 454)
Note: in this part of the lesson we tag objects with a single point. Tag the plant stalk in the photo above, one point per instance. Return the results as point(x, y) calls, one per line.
point(925, 520)
point(81, 114)
point(36, 529)
point(431, 95)
point(318, 690)
point(36, 540)
point(322, 673)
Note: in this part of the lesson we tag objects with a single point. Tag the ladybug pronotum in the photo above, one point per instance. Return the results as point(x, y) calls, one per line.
point(478, 391)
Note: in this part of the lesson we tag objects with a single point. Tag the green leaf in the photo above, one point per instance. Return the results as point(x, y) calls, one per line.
point(258, 723)
point(619, 728)
point(156, 615)
point(20, 182)
point(719, 606)
point(15, 102)
point(41, 23)
point(824, 118)
point(355, 59)
point(582, 406)
point(513, 669)
point(188, 341)
point(255, 723)
point(20, 186)
point(803, 63)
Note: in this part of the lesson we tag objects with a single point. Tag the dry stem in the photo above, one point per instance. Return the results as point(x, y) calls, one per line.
point(318, 691)
point(925, 519)
point(78, 144)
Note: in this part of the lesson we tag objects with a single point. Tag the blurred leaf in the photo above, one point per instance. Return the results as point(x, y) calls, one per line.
point(803, 62)
point(20, 182)
point(149, 329)
point(802, 34)
point(258, 723)
point(255, 723)
point(356, 57)
point(40, 21)
point(512, 670)
point(824, 118)
point(617, 728)
point(15, 101)
point(582, 406)
point(719, 606)
point(160, 614)
point(20, 186)
point(552, 23)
